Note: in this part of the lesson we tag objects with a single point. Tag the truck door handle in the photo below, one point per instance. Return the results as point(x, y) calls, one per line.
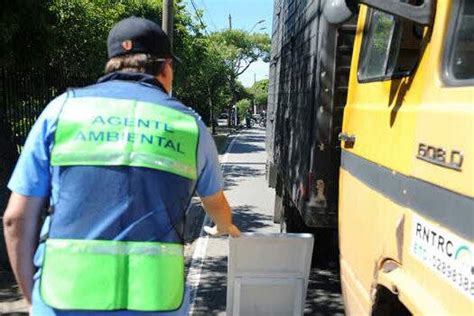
point(347, 137)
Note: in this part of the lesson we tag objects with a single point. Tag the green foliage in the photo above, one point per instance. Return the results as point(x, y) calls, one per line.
point(81, 27)
point(242, 107)
point(259, 92)
point(71, 35)
point(240, 49)
point(25, 26)
point(241, 92)
point(201, 79)
point(212, 63)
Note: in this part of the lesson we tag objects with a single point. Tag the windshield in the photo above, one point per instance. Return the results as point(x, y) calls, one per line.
point(461, 61)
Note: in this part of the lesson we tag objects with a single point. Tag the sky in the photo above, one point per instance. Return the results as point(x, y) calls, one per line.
point(245, 14)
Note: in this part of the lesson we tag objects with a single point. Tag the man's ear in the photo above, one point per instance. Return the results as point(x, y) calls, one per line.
point(165, 77)
point(166, 69)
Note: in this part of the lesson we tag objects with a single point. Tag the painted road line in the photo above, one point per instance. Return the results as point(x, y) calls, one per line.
point(195, 269)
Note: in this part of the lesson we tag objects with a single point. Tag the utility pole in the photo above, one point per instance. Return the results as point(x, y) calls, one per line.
point(167, 21)
point(254, 92)
point(232, 111)
point(211, 108)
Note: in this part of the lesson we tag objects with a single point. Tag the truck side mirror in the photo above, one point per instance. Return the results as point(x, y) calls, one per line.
point(339, 11)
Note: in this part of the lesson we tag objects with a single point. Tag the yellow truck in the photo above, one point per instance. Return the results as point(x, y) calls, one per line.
point(406, 207)
point(405, 195)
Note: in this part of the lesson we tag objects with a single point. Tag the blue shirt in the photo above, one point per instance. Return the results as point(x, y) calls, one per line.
point(33, 175)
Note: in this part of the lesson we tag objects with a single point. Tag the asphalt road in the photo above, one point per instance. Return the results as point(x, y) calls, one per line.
point(252, 202)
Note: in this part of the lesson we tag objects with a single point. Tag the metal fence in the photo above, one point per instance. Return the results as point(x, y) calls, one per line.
point(23, 95)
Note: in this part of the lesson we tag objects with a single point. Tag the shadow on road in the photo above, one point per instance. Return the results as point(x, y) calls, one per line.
point(245, 148)
point(253, 139)
point(250, 220)
point(214, 288)
point(324, 293)
point(234, 173)
point(9, 291)
point(323, 296)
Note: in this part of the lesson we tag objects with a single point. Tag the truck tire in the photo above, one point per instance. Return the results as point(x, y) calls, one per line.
point(326, 249)
point(278, 209)
point(291, 221)
point(387, 304)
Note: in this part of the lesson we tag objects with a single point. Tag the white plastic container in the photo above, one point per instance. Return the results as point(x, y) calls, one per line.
point(268, 274)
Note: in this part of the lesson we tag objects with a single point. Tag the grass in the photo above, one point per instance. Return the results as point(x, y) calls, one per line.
point(221, 142)
point(222, 134)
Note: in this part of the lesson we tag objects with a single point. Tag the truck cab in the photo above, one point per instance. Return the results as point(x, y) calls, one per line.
point(406, 184)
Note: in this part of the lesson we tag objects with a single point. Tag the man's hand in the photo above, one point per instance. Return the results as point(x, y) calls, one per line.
point(216, 231)
point(217, 207)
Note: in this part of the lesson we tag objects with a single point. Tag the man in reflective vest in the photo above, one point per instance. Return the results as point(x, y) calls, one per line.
point(119, 162)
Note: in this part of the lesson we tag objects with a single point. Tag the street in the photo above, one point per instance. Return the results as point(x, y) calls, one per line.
point(252, 202)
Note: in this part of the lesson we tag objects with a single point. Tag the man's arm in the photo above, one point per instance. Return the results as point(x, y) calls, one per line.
point(219, 210)
point(21, 226)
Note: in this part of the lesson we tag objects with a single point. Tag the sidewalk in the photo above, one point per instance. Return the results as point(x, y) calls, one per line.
point(252, 203)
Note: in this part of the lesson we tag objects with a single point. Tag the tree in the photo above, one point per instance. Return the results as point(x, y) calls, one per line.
point(25, 25)
point(242, 107)
point(80, 29)
point(240, 49)
point(199, 79)
point(259, 91)
point(69, 36)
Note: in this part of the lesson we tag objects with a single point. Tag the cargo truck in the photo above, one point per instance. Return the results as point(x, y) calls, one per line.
point(390, 166)
point(309, 72)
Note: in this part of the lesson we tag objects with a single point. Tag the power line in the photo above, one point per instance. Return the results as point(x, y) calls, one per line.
point(198, 16)
point(204, 26)
point(209, 16)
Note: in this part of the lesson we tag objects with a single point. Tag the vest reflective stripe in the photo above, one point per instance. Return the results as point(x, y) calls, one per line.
point(127, 159)
point(112, 275)
point(110, 132)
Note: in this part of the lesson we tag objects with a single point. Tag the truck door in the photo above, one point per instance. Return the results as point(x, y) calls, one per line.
point(378, 132)
point(443, 164)
point(406, 184)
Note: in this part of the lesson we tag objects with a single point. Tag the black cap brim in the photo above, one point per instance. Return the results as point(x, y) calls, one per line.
point(177, 59)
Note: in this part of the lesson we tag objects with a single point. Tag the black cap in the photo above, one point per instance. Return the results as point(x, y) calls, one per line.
point(138, 35)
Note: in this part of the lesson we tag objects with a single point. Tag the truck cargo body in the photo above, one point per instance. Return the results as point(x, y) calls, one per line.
point(309, 71)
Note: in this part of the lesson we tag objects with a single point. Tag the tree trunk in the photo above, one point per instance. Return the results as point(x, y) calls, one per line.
point(233, 101)
point(211, 109)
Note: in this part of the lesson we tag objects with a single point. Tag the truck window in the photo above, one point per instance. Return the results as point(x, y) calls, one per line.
point(460, 66)
point(390, 47)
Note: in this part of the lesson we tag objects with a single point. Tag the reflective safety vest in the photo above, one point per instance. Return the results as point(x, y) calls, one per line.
point(119, 252)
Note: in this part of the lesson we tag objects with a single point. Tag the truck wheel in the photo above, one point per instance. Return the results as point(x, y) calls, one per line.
point(291, 221)
point(326, 249)
point(278, 210)
point(387, 304)
point(283, 228)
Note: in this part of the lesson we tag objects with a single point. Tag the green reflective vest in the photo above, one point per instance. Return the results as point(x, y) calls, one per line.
point(114, 275)
point(115, 132)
